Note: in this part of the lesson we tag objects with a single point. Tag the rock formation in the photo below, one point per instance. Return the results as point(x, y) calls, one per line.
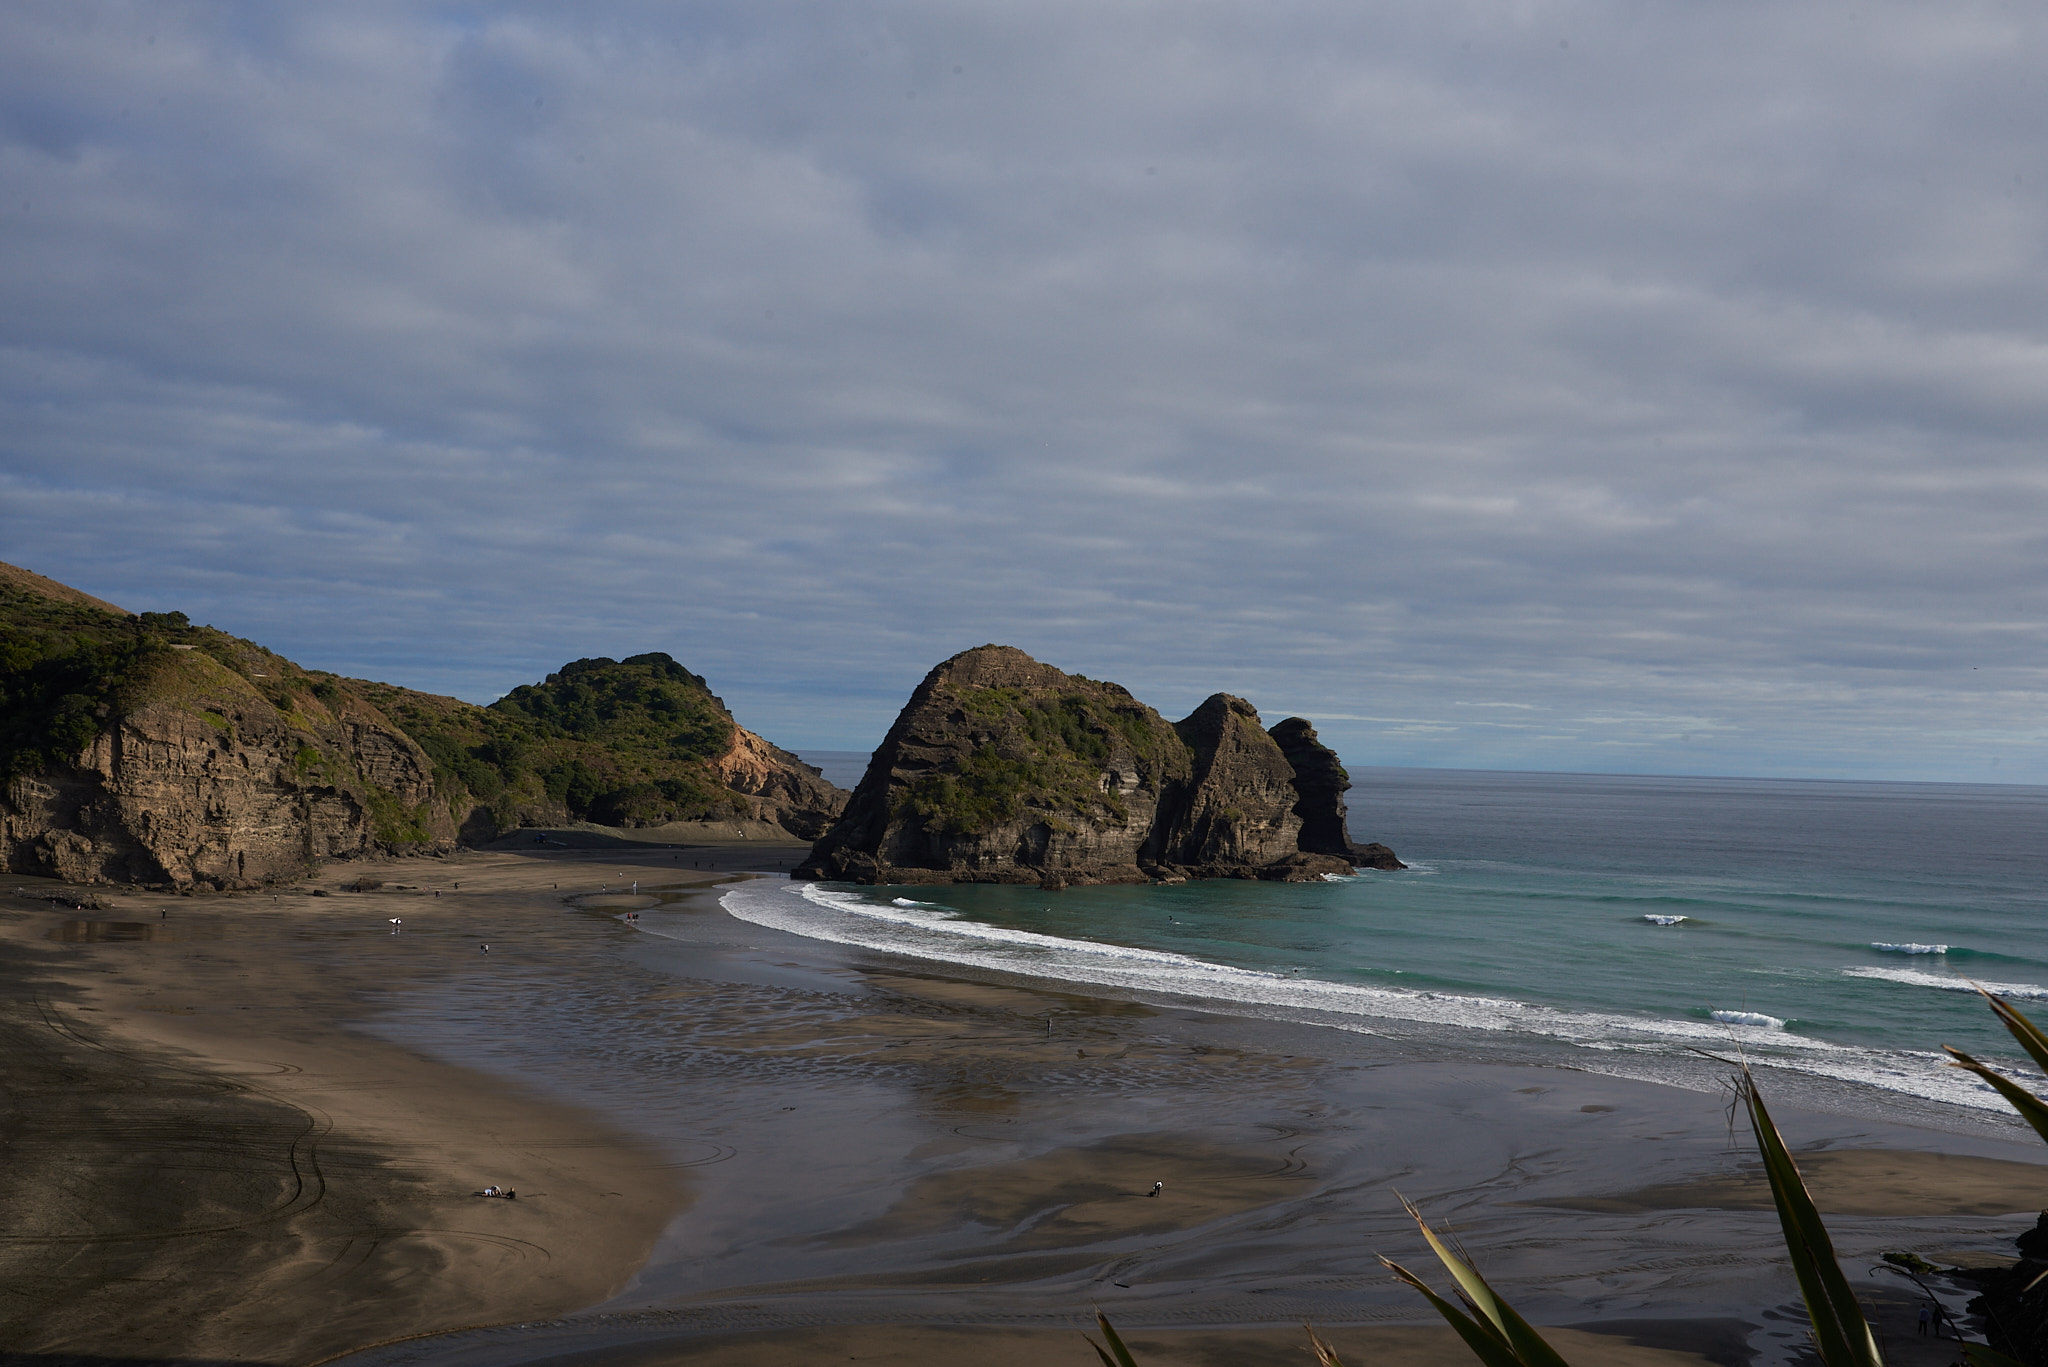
point(1002, 769)
point(203, 780)
point(792, 794)
point(143, 749)
point(1320, 779)
point(1236, 810)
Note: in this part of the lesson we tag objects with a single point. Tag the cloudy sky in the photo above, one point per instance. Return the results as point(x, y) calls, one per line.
point(1588, 386)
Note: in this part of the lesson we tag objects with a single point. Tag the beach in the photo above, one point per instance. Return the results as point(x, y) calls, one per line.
point(251, 1127)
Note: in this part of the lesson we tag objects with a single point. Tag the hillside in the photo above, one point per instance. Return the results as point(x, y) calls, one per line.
point(142, 748)
point(1003, 769)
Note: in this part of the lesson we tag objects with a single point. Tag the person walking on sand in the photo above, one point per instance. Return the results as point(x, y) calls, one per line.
point(1157, 1187)
point(487, 949)
point(1926, 1318)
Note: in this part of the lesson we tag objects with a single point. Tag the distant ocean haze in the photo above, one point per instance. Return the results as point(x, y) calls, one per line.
point(841, 767)
point(1828, 929)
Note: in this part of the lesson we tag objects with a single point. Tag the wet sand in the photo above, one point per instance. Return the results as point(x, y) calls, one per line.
point(203, 1162)
point(732, 1145)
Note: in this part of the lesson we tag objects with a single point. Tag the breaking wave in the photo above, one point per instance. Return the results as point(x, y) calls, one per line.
point(1948, 982)
point(900, 926)
point(1757, 1018)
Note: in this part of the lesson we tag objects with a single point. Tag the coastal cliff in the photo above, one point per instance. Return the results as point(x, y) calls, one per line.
point(196, 777)
point(1002, 769)
point(144, 749)
point(1320, 778)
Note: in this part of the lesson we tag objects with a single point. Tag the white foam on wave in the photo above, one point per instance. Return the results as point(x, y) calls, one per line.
point(1909, 948)
point(1947, 982)
point(1656, 920)
point(916, 930)
point(906, 902)
point(846, 917)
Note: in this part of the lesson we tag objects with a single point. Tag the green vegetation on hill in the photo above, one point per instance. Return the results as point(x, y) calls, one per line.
point(66, 667)
point(69, 670)
point(623, 743)
point(617, 742)
point(1048, 751)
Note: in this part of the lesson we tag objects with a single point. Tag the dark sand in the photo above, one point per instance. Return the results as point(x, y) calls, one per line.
point(248, 1132)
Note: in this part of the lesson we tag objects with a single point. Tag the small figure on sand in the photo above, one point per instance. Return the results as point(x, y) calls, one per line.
point(487, 949)
point(1926, 1318)
point(1157, 1187)
point(506, 1192)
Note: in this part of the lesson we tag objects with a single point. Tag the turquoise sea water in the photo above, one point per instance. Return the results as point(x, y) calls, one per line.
point(1830, 929)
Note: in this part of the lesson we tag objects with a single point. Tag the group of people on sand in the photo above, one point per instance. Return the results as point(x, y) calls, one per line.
point(506, 1192)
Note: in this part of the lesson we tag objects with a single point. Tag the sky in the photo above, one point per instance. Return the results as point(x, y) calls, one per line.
point(1610, 387)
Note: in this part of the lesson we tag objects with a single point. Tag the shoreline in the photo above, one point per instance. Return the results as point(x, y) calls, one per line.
point(915, 1156)
point(231, 1168)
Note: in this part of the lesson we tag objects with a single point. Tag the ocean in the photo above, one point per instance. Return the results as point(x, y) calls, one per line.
point(1824, 930)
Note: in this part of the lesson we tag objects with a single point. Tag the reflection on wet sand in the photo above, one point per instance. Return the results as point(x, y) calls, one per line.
point(894, 1162)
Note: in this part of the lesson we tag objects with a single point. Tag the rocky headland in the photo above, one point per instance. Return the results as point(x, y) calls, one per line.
point(143, 749)
point(1005, 770)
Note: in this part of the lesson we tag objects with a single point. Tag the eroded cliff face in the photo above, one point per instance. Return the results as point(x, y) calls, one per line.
point(1320, 779)
point(784, 789)
point(200, 780)
point(1000, 768)
point(1003, 769)
point(1237, 807)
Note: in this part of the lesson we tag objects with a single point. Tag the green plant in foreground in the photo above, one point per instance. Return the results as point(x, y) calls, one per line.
point(2031, 1108)
point(1500, 1337)
point(1840, 1332)
point(1489, 1325)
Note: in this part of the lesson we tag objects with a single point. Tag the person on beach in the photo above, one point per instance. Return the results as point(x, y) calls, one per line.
point(1157, 1187)
point(486, 949)
point(1926, 1318)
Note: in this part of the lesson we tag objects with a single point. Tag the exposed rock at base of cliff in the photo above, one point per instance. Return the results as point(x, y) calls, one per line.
point(1002, 769)
point(785, 790)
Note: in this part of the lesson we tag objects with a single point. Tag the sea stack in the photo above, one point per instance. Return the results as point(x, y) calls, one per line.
point(1001, 769)
point(1320, 779)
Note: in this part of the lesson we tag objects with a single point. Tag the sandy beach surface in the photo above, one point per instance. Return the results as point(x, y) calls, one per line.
point(251, 1128)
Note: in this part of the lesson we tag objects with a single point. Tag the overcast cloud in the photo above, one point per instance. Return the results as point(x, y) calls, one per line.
point(1600, 386)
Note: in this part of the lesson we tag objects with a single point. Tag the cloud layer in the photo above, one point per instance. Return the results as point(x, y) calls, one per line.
point(1556, 385)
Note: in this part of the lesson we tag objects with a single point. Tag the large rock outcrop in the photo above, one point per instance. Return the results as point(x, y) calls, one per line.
point(1236, 810)
point(1000, 768)
point(199, 779)
point(1320, 779)
point(1003, 769)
